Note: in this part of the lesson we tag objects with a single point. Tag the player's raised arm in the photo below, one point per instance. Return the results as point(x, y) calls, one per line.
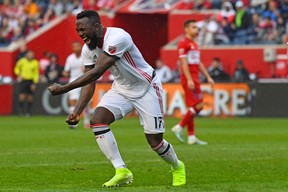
point(103, 63)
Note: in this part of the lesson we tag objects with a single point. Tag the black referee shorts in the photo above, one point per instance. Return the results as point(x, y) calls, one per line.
point(25, 87)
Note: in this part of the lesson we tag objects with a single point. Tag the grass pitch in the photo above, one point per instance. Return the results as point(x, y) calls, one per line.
point(42, 154)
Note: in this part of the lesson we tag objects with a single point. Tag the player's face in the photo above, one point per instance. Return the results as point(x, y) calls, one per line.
point(76, 48)
point(192, 30)
point(87, 32)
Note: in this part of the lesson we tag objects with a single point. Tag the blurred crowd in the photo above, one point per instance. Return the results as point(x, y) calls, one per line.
point(215, 70)
point(20, 18)
point(242, 21)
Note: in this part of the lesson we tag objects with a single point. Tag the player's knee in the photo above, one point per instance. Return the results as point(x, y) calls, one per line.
point(154, 140)
point(97, 121)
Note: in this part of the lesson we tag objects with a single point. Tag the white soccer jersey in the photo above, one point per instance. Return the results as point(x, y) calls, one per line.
point(74, 65)
point(133, 75)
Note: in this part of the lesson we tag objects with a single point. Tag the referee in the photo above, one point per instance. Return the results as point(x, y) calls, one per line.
point(27, 71)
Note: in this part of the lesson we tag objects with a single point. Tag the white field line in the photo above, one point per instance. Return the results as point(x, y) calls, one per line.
point(76, 163)
point(92, 150)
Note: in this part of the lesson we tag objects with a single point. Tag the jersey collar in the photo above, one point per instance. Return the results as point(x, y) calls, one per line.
point(102, 40)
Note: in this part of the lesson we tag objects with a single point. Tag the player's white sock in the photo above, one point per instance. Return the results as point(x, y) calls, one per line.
point(71, 109)
point(191, 137)
point(166, 151)
point(107, 144)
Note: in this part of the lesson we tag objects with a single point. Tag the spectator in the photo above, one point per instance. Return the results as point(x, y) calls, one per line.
point(224, 34)
point(241, 74)
point(90, 5)
point(53, 71)
point(242, 22)
point(186, 5)
point(203, 4)
point(227, 13)
point(217, 72)
point(267, 33)
point(208, 29)
point(254, 30)
point(272, 11)
point(163, 71)
point(280, 32)
point(27, 72)
point(30, 8)
point(57, 7)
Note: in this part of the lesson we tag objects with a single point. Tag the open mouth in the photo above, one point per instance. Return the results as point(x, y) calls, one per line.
point(86, 40)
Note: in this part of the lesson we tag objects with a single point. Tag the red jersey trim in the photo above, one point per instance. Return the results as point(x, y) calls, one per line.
point(132, 63)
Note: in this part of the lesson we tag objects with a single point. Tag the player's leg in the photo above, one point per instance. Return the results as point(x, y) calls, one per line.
point(111, 107)
point(30, 98)
point(150, 111)
point(22, 97)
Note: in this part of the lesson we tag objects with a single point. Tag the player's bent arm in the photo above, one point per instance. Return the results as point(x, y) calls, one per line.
point(103, 63)
point(185, 68)
point(86, 94)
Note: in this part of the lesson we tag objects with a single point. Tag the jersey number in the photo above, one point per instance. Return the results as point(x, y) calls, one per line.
point(159, 122)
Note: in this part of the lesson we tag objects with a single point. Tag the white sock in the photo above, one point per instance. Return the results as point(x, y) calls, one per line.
point(107, 144)
point(166, 151)
point(71, 109)
point(191, 137)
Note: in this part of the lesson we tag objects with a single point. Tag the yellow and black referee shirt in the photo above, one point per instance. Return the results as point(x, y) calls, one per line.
point(27, 69)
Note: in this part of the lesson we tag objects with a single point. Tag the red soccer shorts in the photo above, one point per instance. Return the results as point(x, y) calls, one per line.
point(192, 97)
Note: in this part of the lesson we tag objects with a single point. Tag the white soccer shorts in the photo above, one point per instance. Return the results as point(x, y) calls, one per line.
point(149, 107)
point(74, 94)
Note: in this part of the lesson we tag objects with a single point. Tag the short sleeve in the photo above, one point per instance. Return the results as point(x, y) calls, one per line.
point(87, 56)
point(182, 49)
point(117, 44)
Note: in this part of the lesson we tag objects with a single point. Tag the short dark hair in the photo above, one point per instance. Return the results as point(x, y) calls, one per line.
point(93, 16)
point(187, 23)
point(216, 59)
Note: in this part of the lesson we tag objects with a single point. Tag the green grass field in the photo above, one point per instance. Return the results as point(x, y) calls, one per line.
point(244, 154)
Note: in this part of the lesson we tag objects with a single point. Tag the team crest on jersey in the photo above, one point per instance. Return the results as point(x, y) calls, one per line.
point(95, 57)
point(112, 49)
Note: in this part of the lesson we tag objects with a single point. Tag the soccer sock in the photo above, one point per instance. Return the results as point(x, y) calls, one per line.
point(107, 144)
point(191, 127)
point(166, 151)
point(190, 113)
point(29, 106)
point(21, 107)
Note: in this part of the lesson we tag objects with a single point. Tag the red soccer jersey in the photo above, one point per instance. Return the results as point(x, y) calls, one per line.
point(189, 49)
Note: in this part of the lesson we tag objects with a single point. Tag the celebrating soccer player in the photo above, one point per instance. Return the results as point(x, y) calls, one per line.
point(189, 56)
point(136, 86)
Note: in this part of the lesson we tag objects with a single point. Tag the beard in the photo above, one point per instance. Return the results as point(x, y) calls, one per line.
point(93, 42)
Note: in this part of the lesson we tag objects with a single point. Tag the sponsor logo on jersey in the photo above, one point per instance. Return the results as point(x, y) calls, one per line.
point(112, 49)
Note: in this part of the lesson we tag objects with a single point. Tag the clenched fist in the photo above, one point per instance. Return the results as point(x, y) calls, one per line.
point(72, 119)
point(56, 89)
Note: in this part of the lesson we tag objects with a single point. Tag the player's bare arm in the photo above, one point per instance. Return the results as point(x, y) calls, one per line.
point(206, 74)
point(186, 72)
point(86, 94)
point(103, 63)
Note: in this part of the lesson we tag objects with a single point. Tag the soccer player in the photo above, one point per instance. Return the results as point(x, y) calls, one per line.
point(191, 65)
point(27, 72)
point(74, 69)
point(136, 86)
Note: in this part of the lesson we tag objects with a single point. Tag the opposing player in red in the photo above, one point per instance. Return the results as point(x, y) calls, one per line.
point(191, 65)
